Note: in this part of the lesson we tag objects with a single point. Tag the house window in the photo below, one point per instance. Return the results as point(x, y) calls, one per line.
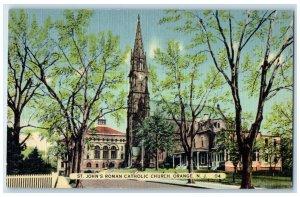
point(121, 148)
point(254, 156)
point(203, 158)
point(202, 141)
point(122, 156)
point(97, 165)
point(97, 152)
point(266, 142)
point(105, 152)
point(275, 143)
point(113, 152)
point(88, 165)
point(87, 156)
point(62, 164)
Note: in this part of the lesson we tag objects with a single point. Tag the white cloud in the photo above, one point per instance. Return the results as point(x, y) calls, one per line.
point(154, 44)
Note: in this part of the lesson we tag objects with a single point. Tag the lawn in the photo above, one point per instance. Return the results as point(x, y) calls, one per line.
point(260, 179)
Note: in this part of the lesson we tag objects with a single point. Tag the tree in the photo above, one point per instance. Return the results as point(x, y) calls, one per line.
point(225, 140)
point(22, 86)
point(156, 135)
point(34, 164)
point(280, 123)
point(269, 150)
point(14, 156)
point(180, 92)
point(264, 69)
point(86, 62)
point(82, 76)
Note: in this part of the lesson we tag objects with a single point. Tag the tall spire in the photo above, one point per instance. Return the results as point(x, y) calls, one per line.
point(138, 49)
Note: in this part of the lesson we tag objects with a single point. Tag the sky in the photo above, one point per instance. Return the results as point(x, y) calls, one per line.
point(123, 23)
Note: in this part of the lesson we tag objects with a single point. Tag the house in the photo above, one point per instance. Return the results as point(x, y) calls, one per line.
point(207, 154)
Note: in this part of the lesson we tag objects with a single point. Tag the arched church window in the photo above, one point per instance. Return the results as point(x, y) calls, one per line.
point(141, 66)
point(97, 152)
point(88, 165)
point(105, 152)
point(113, 151)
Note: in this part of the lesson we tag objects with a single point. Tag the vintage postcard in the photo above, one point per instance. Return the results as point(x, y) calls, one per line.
point(186, 99)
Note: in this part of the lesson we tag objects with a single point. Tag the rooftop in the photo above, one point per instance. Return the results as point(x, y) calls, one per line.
point(106, 130)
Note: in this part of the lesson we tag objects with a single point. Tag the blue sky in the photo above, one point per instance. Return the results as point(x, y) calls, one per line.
point(123, 23)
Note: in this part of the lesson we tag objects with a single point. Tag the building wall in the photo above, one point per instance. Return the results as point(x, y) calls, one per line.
point(91, 163)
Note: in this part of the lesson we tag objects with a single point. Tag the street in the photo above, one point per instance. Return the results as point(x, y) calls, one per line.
point(129, 184)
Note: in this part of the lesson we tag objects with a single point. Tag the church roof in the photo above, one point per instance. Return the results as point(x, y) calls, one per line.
point(106, 130)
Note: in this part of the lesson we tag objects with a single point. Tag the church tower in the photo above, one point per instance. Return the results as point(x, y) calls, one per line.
point(138, 97)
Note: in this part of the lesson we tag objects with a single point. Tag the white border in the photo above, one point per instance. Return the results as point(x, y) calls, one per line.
point(142, 4)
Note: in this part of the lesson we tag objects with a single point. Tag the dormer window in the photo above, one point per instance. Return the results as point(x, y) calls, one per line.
point(101, 121)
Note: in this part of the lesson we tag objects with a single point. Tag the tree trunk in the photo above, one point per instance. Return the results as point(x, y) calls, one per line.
point(68, 163)
point(156, 160)
point(17, 128)
point(190, 165)
point(247, 169)
point(156, 141)
point(78, 158)
point(234, 173)
point(73, 159)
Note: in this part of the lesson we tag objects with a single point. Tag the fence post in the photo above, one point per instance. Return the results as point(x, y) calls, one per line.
point(54, 179)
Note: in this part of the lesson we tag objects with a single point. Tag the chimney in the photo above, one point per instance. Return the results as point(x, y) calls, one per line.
point(102, 121)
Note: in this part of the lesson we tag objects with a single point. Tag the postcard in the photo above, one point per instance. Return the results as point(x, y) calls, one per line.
point(150, 98)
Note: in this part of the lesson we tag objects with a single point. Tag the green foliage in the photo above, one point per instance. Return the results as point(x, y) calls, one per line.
point(156, 133)
point(225, 140)
point(87, 76)
point(280, 123)
point(81, 74)
point(204, 25)
point(271, 152)
point(182, 81)
point(34, 164)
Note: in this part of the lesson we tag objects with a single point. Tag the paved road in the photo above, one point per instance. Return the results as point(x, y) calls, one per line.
point(129, 184)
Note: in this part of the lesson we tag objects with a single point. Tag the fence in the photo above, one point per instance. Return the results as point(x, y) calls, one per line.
point(32, 181)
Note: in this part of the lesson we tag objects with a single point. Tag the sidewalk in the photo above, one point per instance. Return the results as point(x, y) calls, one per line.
point(204, 185)
point(62, 183)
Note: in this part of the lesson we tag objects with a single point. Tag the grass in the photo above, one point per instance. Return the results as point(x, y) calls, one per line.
point(260, 179)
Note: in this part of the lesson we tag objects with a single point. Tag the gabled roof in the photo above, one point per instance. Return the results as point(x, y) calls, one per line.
point(106, 130)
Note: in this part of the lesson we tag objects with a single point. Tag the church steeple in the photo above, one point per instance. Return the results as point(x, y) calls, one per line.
point(138, 49)
point(138, 55)
point(138, 97)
